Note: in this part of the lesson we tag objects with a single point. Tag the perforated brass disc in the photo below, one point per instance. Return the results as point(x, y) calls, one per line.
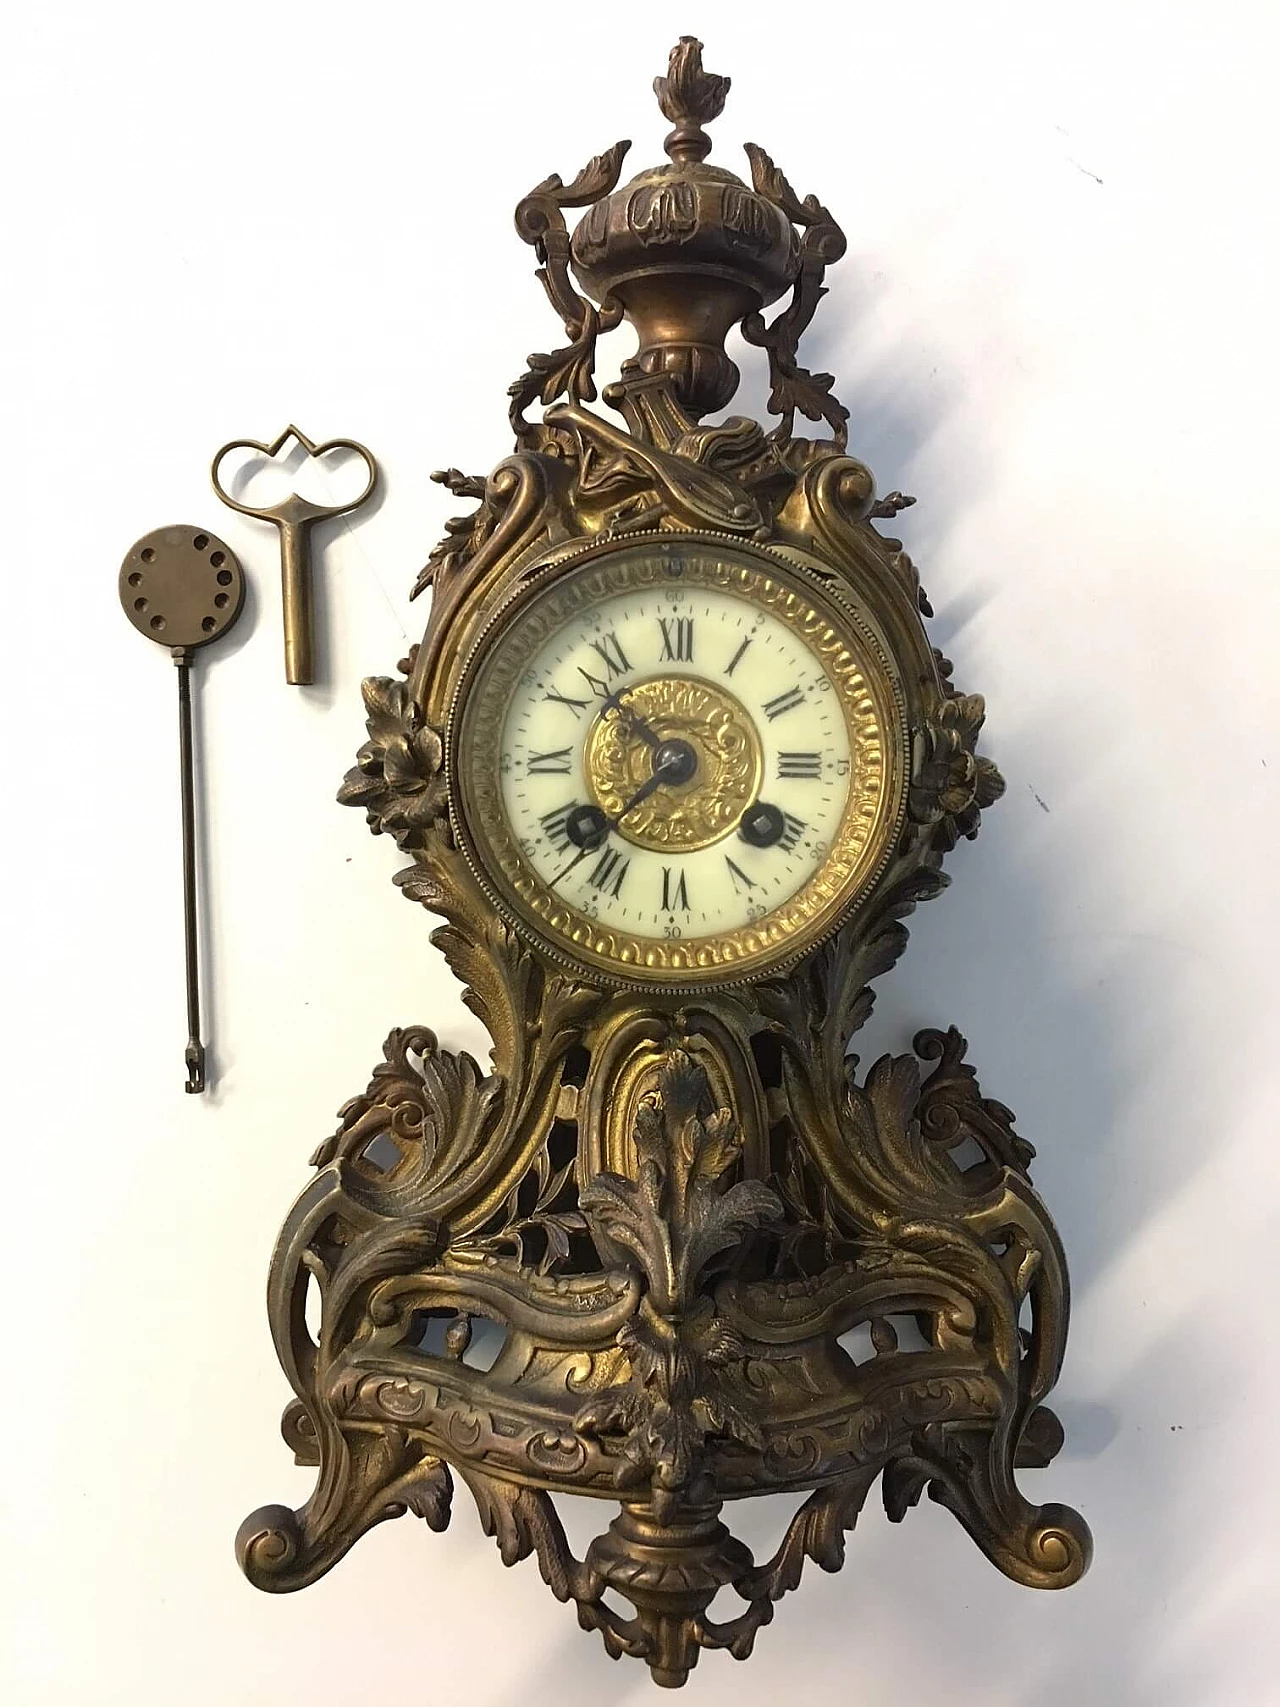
point(181, 586)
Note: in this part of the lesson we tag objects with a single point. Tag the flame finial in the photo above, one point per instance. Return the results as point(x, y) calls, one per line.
point(690, 97)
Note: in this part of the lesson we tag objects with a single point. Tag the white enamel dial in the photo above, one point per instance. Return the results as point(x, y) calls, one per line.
point(676, 761)
point(629, 643)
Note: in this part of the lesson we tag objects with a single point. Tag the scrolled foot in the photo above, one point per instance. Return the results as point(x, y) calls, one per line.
point(1055, 1549)
point(1045, 1546)
point(281, 1550)
point(268, 1543)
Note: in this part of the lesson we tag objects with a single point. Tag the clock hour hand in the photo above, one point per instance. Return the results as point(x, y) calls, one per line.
point(637, 725)
point(632, 718)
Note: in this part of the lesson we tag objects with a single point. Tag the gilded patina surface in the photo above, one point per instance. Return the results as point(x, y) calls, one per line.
point(728, 771)
point(671, 1247)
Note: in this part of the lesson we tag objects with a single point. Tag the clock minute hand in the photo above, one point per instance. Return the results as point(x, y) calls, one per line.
point(642, 793)
point(558, 879)
point(611, 823)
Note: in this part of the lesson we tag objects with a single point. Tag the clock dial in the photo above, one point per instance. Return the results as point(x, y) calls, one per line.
point(676, 761)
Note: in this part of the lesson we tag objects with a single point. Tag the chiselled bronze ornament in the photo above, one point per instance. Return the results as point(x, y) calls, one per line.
point(673, 761)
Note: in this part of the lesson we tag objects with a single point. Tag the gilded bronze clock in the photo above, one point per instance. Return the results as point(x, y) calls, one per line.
point(673, 761)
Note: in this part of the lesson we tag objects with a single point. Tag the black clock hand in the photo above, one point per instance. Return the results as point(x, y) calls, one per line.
point(631, 717)
point(642, 793)
point(588, 847)
point(661, 767)
point(637, 725)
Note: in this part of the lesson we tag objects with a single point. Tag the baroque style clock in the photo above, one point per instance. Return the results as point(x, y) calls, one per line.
point(673, 761)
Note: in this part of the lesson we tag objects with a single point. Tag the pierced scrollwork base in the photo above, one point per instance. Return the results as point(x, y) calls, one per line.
point(684, 1336)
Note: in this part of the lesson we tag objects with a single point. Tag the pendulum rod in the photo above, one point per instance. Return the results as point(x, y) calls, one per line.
point(195, 1048)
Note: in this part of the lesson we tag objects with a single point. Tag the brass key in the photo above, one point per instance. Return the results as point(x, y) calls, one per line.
point(295, 517)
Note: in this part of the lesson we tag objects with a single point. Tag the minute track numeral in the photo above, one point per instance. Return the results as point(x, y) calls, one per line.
point(674, 893)
point(608, 872)
point(549, 764)
point(799, 764)
point(783, 703)
point(677, 638)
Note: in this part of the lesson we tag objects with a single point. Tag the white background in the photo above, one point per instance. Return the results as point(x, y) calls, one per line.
point(1056, 325)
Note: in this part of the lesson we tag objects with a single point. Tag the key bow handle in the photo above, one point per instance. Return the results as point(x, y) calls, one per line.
point(294, 510)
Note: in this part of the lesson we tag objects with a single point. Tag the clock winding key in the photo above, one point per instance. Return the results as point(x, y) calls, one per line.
point(183, 588)
point(295, 517)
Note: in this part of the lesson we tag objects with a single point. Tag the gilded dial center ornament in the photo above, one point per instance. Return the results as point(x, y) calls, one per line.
point(724, 775)
point(677, 760)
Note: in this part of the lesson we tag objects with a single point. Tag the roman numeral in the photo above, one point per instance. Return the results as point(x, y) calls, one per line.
point(784, 702)
point(739, 875)
point(800, 764)
point(677, 638)
point(616, 661)
point(556, 825)
point(549, 764)
point(576, 706)
point(609, 871)
point(737, 657)
point(792, 830)
point(673, 894)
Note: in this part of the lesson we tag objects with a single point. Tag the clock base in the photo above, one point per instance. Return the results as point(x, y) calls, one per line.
point(671, 1339)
